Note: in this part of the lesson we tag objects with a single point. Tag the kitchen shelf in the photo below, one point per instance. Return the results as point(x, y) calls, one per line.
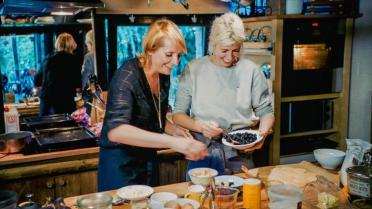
point(258, 48)
point(297, 16)
point(257, 45)
point(309, 133)
point(310, 97)
point(38, 27)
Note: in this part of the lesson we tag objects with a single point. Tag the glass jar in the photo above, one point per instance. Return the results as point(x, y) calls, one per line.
point(95, 201)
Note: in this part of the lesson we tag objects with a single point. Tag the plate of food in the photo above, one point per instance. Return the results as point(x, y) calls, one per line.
point(241, 139)
point(228, 181)
point(135, 192)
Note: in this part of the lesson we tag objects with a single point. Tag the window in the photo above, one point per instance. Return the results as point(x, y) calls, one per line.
point(20, 58)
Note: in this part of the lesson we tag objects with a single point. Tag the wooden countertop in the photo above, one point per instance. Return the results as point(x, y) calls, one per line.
point(17, 158)
point(17, 166)
point(180, 189)
point(262, 172)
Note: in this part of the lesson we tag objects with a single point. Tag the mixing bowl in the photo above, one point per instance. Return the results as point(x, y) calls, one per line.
point(329, 158)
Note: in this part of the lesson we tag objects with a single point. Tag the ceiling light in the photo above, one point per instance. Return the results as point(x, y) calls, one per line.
point(61, 13)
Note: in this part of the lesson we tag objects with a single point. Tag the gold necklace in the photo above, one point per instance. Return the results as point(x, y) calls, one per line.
point(157, 107)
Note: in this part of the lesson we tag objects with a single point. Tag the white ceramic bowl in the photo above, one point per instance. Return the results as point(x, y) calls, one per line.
point(135, 192)
point(202, 176)
point(181, 202)
point(242, 146)
point(225, 180)
point(329, 158)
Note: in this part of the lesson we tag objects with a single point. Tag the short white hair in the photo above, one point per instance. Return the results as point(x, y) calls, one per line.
point(226, 30)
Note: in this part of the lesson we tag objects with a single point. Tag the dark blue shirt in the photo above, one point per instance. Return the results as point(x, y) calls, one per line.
point(129, 102)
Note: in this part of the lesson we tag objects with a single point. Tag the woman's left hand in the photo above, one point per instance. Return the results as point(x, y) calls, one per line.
point(266, 124)
point(179, 131)
point(262, 133)
point(256, 146)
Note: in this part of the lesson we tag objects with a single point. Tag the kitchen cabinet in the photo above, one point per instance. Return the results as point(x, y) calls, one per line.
point(57, 174)
point(267, 45)
point(54, 186)
point(71, 172)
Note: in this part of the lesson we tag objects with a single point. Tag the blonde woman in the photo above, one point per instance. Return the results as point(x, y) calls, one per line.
point(60, 77)
point(135, 116)
point(220, 92)
point(88, 64)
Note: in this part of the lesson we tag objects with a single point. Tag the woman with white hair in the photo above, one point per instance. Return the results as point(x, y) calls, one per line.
point(222, 91)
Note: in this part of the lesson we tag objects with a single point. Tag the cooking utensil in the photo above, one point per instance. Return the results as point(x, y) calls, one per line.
point(65, 138)
point(14, 142)
point(50, 121)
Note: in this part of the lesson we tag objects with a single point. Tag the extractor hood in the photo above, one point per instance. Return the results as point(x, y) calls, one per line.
point(44, 7)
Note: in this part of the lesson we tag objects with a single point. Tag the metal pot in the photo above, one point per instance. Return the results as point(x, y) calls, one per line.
point(14, 142)
point(8, 199)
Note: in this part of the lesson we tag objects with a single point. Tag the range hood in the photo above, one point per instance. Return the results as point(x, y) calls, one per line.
point(45, 7)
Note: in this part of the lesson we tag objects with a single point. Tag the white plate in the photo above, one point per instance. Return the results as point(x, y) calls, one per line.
point(135, 192)
point(237, 181)
point(242, 146)
point(182, 201)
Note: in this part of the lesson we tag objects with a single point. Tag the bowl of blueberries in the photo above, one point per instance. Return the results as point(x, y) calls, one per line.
point(241, 139)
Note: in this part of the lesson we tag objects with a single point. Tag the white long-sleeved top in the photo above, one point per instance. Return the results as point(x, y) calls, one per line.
point(228, 96)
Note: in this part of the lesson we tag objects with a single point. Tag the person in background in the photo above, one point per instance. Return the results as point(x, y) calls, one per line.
point(135, 121)
point(222, 92)
point(59, 77)
point(88, 63)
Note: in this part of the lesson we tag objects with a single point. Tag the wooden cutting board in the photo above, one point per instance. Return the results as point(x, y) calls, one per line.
point(264, 172)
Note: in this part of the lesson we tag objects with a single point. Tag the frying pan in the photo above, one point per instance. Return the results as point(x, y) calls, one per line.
point(14, 142)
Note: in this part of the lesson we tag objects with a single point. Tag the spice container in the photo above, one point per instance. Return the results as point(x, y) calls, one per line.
point(359, 179)
point(252, 193)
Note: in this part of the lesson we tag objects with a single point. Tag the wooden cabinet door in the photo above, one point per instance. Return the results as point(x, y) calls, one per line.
point(76, 184)
point(172, 171)
point(41, 187)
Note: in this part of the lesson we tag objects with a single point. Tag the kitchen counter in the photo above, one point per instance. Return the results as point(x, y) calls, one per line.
point(180, 189)
point(17, 166)
point(262, 172)
point(18, 158)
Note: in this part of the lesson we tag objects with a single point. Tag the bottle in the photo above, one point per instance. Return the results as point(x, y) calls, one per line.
point(252, 193)
point(11, 118)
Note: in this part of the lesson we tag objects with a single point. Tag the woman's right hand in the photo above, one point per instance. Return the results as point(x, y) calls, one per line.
point(191, 148)
point(209, 129)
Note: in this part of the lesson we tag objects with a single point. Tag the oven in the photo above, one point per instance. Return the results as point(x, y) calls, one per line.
point(312, 56)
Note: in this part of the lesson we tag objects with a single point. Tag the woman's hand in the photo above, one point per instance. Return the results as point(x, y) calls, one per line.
point(265, 129)
point(175, 130)
point(209, 129)
point(263, 134)
point(191, 148)
point(256, 146)
point(179, 131)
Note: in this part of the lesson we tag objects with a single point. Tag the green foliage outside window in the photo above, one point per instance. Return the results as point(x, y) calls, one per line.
point(20, 58)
